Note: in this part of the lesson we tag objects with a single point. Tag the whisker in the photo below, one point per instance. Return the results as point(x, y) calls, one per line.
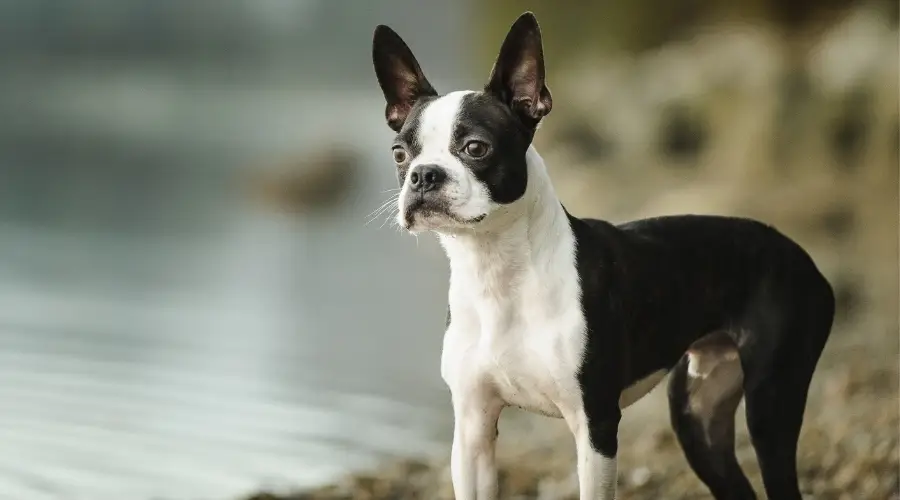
point(395, 224)
point(391, 218)
point(375, 217)
point(381, 209)
point(379, 213)
point(374, 213)
point(385, 203)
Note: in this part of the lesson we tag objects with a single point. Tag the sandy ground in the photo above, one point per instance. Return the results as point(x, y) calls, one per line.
point(849, 448)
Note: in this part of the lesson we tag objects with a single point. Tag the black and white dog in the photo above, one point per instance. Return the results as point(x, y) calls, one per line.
point(578, 318)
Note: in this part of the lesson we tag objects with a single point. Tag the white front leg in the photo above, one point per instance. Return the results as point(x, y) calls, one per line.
point(473, 467)
point(597, 473)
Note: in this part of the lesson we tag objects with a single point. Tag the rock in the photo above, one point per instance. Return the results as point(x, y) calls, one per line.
point(640, 476)
point(306, 183)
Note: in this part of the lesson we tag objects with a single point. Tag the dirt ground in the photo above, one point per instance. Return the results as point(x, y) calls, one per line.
point(849, 448)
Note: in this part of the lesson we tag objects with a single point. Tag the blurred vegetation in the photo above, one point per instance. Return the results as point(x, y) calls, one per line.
point(305, 184)
point(641, 25)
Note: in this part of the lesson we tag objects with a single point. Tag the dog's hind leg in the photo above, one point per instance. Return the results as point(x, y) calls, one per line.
point(705, 389)
point(777, 377)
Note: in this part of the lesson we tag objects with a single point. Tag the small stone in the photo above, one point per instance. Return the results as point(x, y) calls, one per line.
point(640, 476)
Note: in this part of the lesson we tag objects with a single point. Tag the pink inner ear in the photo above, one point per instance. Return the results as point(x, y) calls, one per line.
point(407, 83)
point(524, 78)
point(397, 113)
point(393, 114)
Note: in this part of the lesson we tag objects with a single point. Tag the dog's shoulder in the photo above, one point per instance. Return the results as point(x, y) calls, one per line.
point(600, 248)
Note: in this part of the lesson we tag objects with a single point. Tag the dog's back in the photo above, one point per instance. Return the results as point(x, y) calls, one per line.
point(733, 294)
point(686, 275)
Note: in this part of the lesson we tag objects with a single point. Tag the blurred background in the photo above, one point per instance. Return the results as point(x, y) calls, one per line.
point(201, 296)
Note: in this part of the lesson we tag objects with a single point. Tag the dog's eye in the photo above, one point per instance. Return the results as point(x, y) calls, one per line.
point(399, 155)
point(476, 149)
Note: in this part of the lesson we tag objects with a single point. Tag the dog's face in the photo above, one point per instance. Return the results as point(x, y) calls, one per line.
point(461, 156)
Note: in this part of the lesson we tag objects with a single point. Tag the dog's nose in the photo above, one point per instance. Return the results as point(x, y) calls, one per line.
point(426, 178)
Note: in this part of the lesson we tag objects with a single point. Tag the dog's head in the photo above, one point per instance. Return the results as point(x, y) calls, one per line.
point(461, 156)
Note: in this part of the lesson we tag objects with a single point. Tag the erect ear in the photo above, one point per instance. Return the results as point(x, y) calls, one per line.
point(399, 75)
point(518, 75)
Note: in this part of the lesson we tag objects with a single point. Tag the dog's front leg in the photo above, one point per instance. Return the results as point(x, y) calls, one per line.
point(473, 467)
point(596, 446)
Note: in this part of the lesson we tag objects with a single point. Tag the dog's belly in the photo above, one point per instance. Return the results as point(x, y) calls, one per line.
point(639, 389)
point(546, 396)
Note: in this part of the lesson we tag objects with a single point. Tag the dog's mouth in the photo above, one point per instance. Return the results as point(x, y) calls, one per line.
point(427, 209)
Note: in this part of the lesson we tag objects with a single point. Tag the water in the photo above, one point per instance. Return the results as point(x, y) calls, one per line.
point(232, 350)
point(160, 336)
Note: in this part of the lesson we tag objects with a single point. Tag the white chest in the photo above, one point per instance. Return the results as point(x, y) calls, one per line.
point(530, 367)
point(517, 331)
point(523, 346)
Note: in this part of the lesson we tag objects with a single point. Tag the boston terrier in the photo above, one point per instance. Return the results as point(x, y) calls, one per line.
point(578, 318)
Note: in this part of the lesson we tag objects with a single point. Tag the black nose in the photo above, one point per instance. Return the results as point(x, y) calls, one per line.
point(426, 178)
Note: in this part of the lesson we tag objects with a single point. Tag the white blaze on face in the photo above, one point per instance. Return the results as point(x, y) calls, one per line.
point(467, 197)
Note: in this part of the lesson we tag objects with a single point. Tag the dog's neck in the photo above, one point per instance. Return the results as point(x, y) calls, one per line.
point(530, 239)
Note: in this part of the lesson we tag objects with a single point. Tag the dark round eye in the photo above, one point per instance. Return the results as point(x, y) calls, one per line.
point(399, 155)
point(476, 149)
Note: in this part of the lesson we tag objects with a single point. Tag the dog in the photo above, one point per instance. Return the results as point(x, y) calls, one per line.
point(578, 318)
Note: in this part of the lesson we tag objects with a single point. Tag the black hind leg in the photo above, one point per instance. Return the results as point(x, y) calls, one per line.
point(776, 386)
point(704, 392)
point(775, 405)
point(774, 419)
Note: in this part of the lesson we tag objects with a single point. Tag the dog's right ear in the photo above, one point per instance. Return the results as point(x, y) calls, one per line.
point(399, 75)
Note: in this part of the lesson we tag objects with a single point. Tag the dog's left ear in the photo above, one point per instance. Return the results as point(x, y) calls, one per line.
point(399, 75)
point(518, 75)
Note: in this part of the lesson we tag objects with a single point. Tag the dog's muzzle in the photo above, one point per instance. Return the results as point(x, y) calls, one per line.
point(426, 178)
point(426, 204)
point(424, 196)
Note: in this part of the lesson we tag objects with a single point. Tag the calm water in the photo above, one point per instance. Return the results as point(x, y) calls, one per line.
point(162, 338)
point(159, 336)
point(265, 351)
